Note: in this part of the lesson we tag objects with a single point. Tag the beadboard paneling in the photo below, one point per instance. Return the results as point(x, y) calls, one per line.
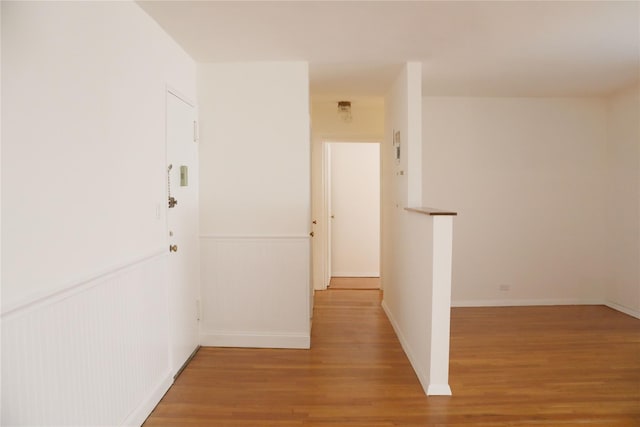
point(255, 291)
point(93, 356)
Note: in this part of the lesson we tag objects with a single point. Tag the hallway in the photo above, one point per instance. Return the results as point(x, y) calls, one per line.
point(509, 366)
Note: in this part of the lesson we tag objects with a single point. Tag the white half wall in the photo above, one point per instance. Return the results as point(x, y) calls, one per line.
point(255, 192)
point(84, 296)
point(442, 253)
point(623, 203)
point(407, 296)
point(414, 247)
point(527, 176)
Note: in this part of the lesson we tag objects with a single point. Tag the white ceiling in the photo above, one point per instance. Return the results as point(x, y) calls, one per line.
point(355, 48)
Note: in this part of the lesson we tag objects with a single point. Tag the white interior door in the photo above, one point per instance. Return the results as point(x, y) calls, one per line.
point(355, 209)
point(182, 225)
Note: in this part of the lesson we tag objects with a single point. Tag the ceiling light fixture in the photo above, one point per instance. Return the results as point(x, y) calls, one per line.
point(344, 110)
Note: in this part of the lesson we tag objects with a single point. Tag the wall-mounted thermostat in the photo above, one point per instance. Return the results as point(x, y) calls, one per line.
point(184, 176)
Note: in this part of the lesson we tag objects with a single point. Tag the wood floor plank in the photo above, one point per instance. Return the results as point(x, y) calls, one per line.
point(510, 366)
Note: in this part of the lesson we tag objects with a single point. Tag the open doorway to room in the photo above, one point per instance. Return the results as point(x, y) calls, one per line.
point(353, 208)
point(363, 128)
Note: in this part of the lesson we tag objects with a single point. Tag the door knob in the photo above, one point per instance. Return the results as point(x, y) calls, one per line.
point(173, 248)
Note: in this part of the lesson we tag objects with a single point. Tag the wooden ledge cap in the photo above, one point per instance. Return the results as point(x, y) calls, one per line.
point(431, 211)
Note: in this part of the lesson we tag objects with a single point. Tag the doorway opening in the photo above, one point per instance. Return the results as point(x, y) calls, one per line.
point(352, 171)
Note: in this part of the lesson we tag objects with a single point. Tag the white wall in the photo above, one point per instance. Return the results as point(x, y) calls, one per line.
point(408, 250)
point(623, 203)
point(400, 115)
point(83, 172)
point(255, 148)
point(254, 203)
point(367, 125)
point(84, 140)
point(527, 176)
point(355, 209)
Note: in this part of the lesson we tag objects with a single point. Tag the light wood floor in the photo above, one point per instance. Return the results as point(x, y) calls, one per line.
point(354, 283)
point(524, 366)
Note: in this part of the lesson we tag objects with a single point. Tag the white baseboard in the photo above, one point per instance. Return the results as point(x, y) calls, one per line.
point(523, 302)
point(140, 414)
point(533, 302)
point(417, 367)
point(256, 340)
point(623, 309)
point(439, 390)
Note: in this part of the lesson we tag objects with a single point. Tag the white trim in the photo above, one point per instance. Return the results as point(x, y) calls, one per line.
point(524, 302)
point(72, 287)
point(439, 390)
point(326, 213)
point(417, 367)
point(142, 412)
point(175, 92)
point(626, 310)
point(255, 237)
point(256, 339)
point(534, 302)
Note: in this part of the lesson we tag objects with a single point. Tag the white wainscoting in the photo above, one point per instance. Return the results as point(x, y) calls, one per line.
point(255, 291)
point(93, 354)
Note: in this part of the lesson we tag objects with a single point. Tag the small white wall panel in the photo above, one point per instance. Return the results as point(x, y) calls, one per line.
point(255, 291)
point(441, 305)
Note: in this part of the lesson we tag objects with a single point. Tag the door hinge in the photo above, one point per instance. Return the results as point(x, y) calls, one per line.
point(196, 132)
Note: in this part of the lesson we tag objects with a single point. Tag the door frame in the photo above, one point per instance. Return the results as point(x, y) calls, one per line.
point(325, 197)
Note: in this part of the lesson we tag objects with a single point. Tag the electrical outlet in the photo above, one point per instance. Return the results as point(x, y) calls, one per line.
point(505, 288)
